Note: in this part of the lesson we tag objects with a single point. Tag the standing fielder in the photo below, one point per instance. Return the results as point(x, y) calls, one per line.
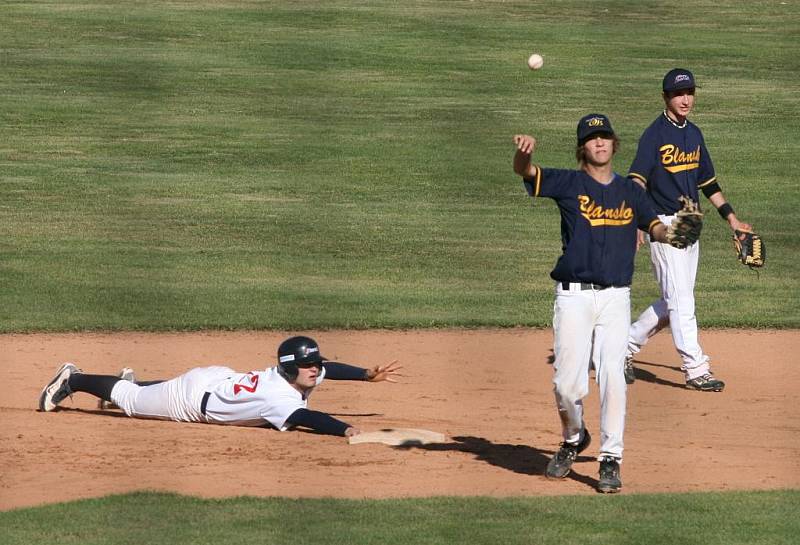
point(600, 215)
point(672, 161)
point(277, 396)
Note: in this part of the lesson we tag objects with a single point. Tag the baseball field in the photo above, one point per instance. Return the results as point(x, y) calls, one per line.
point(186, 183)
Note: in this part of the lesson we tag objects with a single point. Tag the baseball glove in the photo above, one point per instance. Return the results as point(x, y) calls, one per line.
point(750, 249)
point(685, 228)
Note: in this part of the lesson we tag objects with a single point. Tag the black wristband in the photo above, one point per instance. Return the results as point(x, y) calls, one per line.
point(725, 210)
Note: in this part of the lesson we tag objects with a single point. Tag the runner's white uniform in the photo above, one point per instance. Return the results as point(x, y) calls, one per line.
point(239, 399)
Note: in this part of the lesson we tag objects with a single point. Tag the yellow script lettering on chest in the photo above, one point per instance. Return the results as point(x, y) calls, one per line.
point(597, 216)
point(676, 160)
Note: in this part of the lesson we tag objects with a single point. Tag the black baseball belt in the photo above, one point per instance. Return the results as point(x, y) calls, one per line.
point(584, 286)
point(204, 402)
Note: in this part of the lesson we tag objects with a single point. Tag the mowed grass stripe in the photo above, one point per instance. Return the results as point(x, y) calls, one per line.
point(258, 165)
point(727, 518)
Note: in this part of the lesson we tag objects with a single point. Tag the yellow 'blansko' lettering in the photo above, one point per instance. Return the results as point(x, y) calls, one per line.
point(596, 215)
point(676, 160)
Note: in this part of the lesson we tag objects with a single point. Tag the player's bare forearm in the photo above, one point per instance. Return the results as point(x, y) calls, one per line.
point(522, 157)
point(659, 233)
point(718, 200)
point(641, 238)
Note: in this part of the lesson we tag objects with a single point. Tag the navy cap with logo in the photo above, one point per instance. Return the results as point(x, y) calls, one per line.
point(593, 124)
point(677, 79)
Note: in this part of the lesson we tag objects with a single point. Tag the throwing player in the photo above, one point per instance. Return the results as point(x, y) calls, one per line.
point(672, 161)
point(600, 215)
point(276, 396)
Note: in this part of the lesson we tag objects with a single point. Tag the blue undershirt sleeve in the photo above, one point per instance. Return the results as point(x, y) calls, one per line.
point(341, 371)
point(317, 421)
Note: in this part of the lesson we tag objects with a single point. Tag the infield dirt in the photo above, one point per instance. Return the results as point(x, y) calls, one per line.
point(489, 391)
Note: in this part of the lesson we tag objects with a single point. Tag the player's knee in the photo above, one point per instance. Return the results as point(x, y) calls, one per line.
point(570, 393)
point(124, 395)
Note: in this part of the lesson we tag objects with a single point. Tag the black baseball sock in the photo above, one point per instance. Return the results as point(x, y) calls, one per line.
point(97, 385)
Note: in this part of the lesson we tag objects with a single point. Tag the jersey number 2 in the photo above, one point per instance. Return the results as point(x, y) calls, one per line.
point(253, 379)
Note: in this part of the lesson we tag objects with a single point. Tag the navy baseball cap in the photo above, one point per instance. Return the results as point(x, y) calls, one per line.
point(593, 124)
point(677, 79)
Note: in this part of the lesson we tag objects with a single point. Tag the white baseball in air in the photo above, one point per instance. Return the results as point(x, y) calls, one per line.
point(535, 61)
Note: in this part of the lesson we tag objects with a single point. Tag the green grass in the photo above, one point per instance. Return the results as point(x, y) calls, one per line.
point(192, 165)
point(729, 518)
point(243, 164)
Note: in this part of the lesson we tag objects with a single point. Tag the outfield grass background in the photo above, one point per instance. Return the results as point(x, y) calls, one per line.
point(191, 165)
point(731, 518)
point(242, 164)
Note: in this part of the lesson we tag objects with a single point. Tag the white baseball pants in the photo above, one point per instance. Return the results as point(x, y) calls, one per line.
point(675, 270)
point(177, 399)
point(591, 326)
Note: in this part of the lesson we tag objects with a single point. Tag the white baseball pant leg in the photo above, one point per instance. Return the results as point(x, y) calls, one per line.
point(176, 399)
point(675, 271)
point(591, 326)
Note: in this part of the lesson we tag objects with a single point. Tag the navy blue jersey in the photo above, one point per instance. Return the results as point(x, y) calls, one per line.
point(598, 224)
point(672, 161)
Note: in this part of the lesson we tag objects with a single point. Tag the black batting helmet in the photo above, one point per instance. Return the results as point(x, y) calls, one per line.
point(297, 352)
